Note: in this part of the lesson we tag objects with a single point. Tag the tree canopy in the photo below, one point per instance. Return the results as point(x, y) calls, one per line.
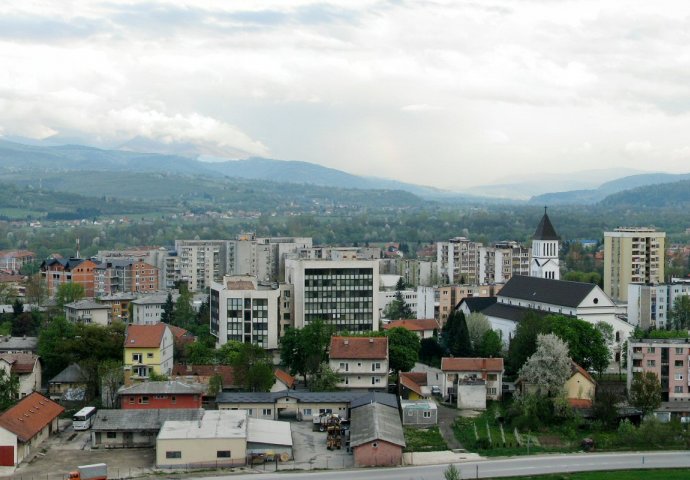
point(645, 392)
point(304, 350)
point(403, 349)
point(549, 367)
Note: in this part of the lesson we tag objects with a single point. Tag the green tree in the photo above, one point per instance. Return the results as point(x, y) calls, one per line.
point(324, 380)
point(36, 291)
point(183, 314)
point(524, 342)
point(586, 343)
point(462, 345)
point(680, 313)
point(403, 349)
point(491, 345)
point(549, 367)
point(252, 368)
point(645, 392)
point(198, 353)
point(17, 307)
point(430, 352)
point(7, 293)
point(110, 379)
point(168, 308)
point(304, 350)
point(67, 293)
point(477, 325)
point(54, 346)
point(215, 385)
point(9, 389)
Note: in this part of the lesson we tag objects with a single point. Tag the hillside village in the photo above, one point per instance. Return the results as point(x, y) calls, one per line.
point(228, 353)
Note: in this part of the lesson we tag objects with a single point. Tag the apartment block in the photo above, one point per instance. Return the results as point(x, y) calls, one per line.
point(57, 271)
point(458, 261)
point(340, 292)
point(125, 276)
point(263, 258)
point(244, 310)
point(668, 359)
point(632, 255)
point(649, 306)
point(202, 262)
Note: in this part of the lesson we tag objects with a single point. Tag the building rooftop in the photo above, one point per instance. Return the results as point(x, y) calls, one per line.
point(512, 312)
point(413, 325)
point(20, 362)
point(365, 348)
point(387, 399)
point(18, 343)
point(307, 397)
point(477, 304)
point(284, 377)
point(452, 364)
point(168, 387)
point(193, 372)
point(144, 336)
point(376, 422)
point(269, 432)
point(30, 415)
point(86, 304)
point(142, 419)
point(212, 425)
point(71, 374)
point(544, 290)
point(545, 230)
point(418, 405)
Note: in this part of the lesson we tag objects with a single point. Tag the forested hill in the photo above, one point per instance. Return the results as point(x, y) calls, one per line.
point(674, 194)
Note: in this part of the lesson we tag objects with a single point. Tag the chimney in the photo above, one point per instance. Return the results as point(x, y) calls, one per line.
point(371, 340)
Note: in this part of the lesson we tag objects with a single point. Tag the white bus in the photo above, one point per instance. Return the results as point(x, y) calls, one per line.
point(83, 419)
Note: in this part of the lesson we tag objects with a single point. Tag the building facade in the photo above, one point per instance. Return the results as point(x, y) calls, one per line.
point(668, 359)
point(632, 255)
point(201, 262)
point(148, 348)
point(360, 362)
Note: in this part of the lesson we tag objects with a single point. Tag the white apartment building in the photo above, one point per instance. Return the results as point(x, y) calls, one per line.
point(263, 258)
point(461, 261)
point(202, 262)
point(245, 311)
point(499, 263)
point(149, 309)
point(339, 292)
point(649, 306)
point(361, 362)
point(458, 261)
point(632, 255)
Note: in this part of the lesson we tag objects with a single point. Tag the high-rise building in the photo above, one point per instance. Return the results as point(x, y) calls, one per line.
point(201, 262)
point(342, 293)
point(500, 262)
point(632, 255)
point(545, 248)
point(458, 261)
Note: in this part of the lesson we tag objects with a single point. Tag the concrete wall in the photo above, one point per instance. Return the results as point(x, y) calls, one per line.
point(9, 439)
point(201, 452)
point(415, 416)
point(377, 454)
point(472, 396)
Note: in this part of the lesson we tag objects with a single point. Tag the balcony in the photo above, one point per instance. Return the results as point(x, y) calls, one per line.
point(638, 356)
point(637, 369)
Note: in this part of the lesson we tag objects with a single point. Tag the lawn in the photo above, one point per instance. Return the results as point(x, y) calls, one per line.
point(424, 440)
point(678, 474)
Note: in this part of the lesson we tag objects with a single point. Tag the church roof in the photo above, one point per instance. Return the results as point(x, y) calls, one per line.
point(545, 230)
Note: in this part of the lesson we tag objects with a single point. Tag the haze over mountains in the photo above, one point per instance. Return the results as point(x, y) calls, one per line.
point(18, 160)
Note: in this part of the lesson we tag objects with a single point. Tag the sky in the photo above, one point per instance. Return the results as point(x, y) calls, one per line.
point(448, 93)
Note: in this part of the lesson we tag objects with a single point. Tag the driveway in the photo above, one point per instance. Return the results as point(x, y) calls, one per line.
point(446, 419)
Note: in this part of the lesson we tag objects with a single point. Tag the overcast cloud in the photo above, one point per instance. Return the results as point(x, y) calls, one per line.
point(448, 93)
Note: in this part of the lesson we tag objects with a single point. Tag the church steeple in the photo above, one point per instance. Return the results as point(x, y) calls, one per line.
point(545, 248)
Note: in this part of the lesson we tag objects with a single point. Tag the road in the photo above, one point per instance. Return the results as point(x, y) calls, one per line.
point(519, 466)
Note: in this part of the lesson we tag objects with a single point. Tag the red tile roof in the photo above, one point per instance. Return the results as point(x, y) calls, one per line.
point(20, 362)
point(30, 415)
point(144, 336)
point(285, 377)
point(575, 368)
point(413, 381)
point(580, 402)
point(359, 347)
point(453, 364)
point(207, 371)
point(240, 285)
point(413, 325)
point(181, 334)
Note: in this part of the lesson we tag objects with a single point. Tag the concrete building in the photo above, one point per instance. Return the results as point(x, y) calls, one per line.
point(14, 260)
point(56, 271)
point(458, 261)
point(245, 311)
point(218, 439)
point(500, 262)
point(202, 262)
point(667, 359)
point(69, 384)
point(161, 394)
point(88, 311)
point(649, 306)
point(155, 256)
point(450, 296)
point(134, 428)
point(376, 436)
point(125, 276)
point(360, 362)
point(632, 255)
point(18, 344)
point(119, 306)
point(339, 292)
point(263, 258)
point(545, 248)
point(24, 426)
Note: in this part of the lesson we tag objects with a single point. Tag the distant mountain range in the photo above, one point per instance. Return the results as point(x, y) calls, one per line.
point(54, 164)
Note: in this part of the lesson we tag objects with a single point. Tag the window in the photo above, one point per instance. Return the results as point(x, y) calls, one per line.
point(651, 349)
point(491, 391)
point(679, 351)
point(223, 454)
point(136, 357)
point(173, 399)
point(410, 413)
point(306, 411)
point(149, 355)
point(651, 363)
point(426, 414)
point(375, 366)
point(375, 380)
point(678, 363)
point(144, 400)
point(131, 399)
point(678, 376)
point(173, 454)
point(267, 411)
point(678, 389)
point(111, 434)
point(344, 366)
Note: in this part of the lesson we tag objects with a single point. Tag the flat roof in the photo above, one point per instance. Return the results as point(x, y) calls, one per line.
point(271, 432)
point(228, 424)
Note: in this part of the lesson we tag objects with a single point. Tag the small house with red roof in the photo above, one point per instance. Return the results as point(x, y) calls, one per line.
point(25, 426)
point(27, 368)
point(284, 381)
point(147, 349)
point(414, 385)
point(424, 328)
point(580, 387)
point(361, 362)
point(472, 381)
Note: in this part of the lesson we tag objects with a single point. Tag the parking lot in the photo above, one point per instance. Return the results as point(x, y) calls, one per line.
point(310, 452)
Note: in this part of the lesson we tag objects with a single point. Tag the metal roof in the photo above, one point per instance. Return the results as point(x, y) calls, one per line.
point(544, 290)
point(169, 387)
point(270, 432)
point(376, 422)
point(272, 397)
point(214, 424)
point(387, 399)
point(141, 419)
point(18, 343)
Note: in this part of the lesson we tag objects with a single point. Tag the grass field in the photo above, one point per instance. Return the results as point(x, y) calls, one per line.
point(424, 440)
point(679, 474)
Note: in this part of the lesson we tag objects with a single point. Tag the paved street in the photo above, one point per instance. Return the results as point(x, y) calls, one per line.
point(522, 466)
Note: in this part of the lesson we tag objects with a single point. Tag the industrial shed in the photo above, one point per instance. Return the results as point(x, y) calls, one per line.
point(419, 412)
point(134, 428)
point(270, 438)
point(376, 436)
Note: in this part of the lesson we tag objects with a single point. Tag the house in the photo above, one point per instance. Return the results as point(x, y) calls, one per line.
point(135, 428)
point(181, 336)
point(419, 412)
point(18, 344)
point(414, 385)
point(24, 426)
point(119, 306)
point(88, 311)
point(219, 438)
point(376, 436)
point(580, 388)
point(424, 328)
point(69, 384)
point(166, 394)
point(148, 349)
point(470, 373)
point(27, 367)
point(361, 362)
point(284, 381)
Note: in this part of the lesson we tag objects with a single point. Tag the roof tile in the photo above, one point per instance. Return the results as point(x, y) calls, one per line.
point(359, 347)
point(30, 415)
